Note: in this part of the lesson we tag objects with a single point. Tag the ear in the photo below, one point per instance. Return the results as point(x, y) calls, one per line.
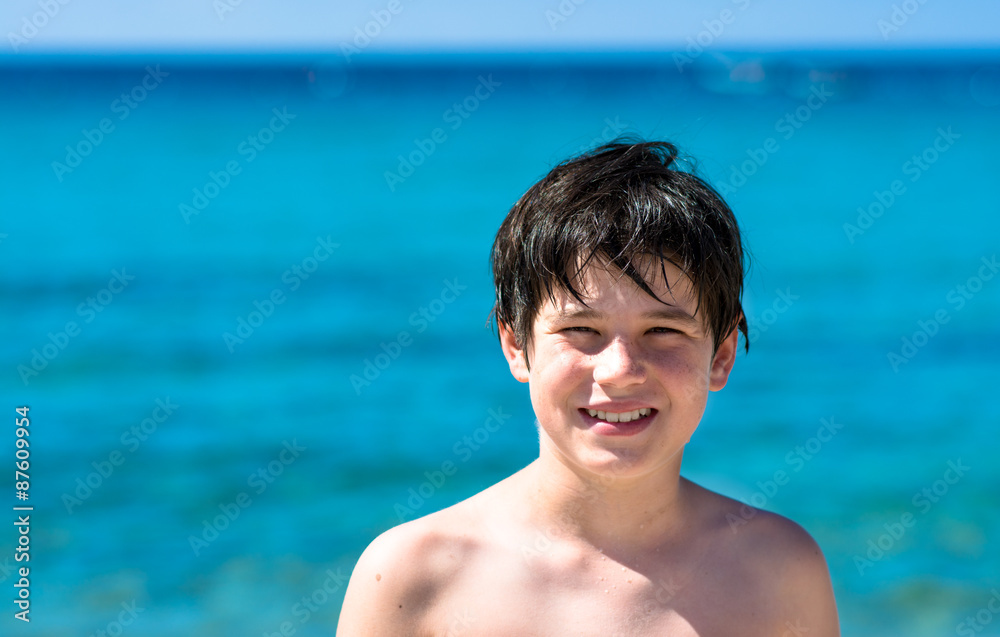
point(513, 353)
point(722, 364)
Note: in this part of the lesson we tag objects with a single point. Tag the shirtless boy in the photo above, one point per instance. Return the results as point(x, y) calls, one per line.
point(619, 280)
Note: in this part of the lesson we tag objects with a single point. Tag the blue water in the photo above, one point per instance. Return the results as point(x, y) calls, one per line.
point(827, 313)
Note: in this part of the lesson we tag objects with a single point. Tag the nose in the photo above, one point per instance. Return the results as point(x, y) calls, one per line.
point(619, 364)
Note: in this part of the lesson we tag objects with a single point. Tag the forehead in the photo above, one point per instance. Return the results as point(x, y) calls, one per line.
point(600, 284)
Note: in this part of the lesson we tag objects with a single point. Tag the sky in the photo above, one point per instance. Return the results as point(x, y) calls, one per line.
point(273, 26)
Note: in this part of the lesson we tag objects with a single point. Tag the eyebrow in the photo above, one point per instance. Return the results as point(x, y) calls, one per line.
point(668, 314)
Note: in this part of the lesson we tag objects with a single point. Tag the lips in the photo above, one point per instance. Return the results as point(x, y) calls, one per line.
point(624, 416)
point(618, 422)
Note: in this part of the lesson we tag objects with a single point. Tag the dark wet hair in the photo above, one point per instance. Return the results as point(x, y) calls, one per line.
point(621, 202)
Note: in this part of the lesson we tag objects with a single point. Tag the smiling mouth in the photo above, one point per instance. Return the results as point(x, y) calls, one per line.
point(623, 416)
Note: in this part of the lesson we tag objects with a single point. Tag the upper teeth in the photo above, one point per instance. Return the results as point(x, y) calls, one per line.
point(625, 416)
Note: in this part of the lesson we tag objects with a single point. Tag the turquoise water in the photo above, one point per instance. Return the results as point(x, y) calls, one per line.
point(274, 259)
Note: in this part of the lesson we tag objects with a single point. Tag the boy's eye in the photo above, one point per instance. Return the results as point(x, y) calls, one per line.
point(579, 328)
point(664, 330)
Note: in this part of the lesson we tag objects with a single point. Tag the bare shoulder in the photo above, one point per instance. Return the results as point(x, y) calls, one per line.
point(402, 572)
point(781, 557)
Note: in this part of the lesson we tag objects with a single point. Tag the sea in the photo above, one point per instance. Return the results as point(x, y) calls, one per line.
point(246, 299)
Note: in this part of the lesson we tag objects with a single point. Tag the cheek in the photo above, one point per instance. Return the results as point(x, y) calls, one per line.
point(687, 371)
point(554, 382)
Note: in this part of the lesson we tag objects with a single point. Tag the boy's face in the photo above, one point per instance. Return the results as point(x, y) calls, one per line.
point(625, 352)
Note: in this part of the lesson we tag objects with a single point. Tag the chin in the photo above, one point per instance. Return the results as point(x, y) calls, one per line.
point(626, 463)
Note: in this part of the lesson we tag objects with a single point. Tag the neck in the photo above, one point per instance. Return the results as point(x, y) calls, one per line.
point(626, 515)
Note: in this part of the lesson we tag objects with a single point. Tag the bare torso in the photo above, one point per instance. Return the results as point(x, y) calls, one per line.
point(486, 567)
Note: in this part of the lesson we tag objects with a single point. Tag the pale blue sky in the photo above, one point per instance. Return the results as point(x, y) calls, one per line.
point(444, 25)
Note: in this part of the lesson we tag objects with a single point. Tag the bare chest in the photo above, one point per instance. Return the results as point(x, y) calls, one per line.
point(605, 602)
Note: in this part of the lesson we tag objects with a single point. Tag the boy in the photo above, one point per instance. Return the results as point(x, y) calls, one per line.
point(619, 281)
